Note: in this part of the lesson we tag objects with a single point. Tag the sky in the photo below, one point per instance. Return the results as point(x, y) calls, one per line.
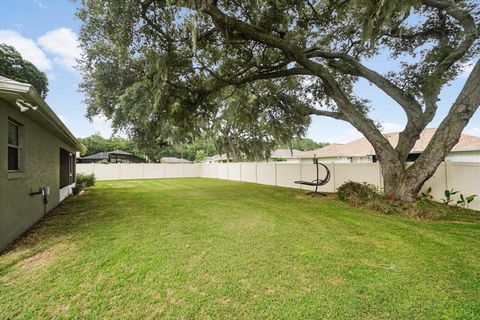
point(46, 32)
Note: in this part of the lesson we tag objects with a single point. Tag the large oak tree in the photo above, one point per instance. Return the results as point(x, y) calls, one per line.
point(168, 63)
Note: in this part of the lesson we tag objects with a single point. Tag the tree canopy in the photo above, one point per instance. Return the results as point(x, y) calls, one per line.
point(96, 143)
point(173, 66)
point(13, 66)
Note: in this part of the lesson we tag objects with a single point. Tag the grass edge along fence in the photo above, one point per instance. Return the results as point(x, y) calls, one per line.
point(461, 176)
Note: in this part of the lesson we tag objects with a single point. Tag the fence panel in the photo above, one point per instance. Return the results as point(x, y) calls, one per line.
point(154, 170)
point(234, 171)
point(131, 170)
point(223, 171)
point(465, 177)
point(193, 170)
point(287, 173)
point(107, 171)
point(248, 172)
point(438, 182)
point(358, 172)
point(174, 170)
point(213, 170)
point(266, 173)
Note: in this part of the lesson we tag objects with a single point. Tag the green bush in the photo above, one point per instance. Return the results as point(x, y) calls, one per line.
point(87, 180)
point(358, 191)
point(367, 196)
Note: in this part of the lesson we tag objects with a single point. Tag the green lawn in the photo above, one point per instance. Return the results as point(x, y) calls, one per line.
point(204, 248)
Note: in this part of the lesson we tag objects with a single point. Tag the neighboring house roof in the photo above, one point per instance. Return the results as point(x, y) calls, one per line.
point(174, 160)
point(361, 147)
point(331, 150)
point(217, 157)
point(99, 156)
point(105, 155)
point(121, 152)
point(32, 104)
point(286, 154)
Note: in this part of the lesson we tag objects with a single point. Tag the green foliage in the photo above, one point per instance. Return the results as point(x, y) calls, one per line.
point(302, 144)
point(449, 195)
point(465, 201)
point(427, 195)
point(77, 189)
point(200, 155)
point(367, 196)
point(353, 191)
point(87, 180)
point(13, 66)
point(96, 143)
point(249, 74)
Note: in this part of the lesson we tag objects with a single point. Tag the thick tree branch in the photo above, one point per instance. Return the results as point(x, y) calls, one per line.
point(355, 116)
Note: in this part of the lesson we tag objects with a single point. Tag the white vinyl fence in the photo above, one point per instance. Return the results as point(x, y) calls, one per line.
point(461, 176)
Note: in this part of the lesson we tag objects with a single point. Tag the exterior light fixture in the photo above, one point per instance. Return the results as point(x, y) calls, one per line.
point(25, 106)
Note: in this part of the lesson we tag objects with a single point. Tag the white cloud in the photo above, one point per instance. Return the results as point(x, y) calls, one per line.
point(102, 125)
point(63, 45)
point(389, 127)
point(39, 4)
point(27, 48)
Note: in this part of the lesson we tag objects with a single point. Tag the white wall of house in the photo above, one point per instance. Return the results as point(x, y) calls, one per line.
point(464, 156)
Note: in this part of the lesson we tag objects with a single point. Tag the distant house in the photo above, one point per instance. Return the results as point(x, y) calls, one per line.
point(218, 158)
point(288, 155)
point(174, 160)
point(37, 159)
point(361, 151)
point(115, 156)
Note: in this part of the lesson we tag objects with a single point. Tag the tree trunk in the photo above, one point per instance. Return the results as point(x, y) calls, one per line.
point(405, 183)
point(399, 184)
point(232, 150)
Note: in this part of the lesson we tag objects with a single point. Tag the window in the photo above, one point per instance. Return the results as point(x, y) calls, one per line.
point(67, 168)
point(13, 147)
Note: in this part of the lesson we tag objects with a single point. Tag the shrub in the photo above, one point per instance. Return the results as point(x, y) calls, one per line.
point(367, 196)
point(86, 180)
point(77, 189)
point(357, 191)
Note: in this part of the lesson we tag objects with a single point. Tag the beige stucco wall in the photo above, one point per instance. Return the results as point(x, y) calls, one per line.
point(41, 167)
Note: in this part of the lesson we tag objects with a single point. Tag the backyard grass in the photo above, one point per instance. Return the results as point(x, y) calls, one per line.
point(204, 248)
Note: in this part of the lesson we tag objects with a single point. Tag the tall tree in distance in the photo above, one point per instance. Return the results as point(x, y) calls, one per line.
point(13, 66)
point(185, 53)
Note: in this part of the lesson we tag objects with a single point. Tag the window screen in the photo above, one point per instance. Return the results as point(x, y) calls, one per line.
point(13, 149)
point(64, 168)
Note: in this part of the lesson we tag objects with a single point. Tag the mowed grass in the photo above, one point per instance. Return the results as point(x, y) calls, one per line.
point(204, 248)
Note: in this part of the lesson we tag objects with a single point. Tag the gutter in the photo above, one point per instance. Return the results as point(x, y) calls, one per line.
point(31, 95)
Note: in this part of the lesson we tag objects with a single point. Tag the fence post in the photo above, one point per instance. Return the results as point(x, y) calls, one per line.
point(334, 177)
point(448, 170)
point(380, 176)
point(275, 163)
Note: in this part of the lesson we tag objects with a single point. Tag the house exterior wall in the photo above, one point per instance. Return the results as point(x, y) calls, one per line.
point(40, 166)
point(464, 156)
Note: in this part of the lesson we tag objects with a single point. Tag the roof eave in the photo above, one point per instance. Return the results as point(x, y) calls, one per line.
point(29, 93)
